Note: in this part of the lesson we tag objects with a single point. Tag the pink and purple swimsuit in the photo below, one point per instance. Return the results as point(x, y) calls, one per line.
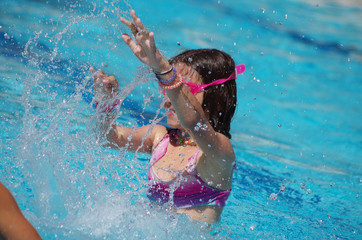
point(187, 190)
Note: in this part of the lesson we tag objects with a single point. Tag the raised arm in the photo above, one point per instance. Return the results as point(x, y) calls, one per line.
point(189, 111)
point(193, 118)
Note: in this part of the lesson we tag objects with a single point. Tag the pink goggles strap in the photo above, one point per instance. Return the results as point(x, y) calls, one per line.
point(194, 88)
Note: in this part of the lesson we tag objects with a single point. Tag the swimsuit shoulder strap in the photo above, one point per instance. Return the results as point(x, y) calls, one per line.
point(191, 165)
point(160, 150)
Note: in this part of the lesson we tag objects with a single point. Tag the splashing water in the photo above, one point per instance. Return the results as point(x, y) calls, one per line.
point(75, 188)
point(295, 132)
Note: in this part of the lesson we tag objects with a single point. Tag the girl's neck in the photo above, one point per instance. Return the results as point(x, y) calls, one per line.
point(182, 138)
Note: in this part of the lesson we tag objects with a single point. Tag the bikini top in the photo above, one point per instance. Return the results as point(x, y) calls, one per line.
point(187, 190)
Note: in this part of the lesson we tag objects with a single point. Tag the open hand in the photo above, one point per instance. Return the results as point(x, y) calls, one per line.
point(144, 45)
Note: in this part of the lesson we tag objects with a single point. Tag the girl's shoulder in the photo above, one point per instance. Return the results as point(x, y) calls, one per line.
point(158, 133)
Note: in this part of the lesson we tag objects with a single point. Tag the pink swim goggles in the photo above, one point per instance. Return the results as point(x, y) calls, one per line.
point(195, 88)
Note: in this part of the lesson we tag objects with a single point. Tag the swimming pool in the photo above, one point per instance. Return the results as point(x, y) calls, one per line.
point(297, 131)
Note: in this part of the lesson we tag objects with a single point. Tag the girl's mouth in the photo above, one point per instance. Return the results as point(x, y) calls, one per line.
point(170, 112)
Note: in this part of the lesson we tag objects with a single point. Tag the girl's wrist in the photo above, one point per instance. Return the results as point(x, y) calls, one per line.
point(107, 106)
point(163, 77)
point(163, 67)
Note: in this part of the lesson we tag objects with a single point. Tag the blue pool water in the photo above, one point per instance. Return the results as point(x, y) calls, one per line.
point(297, 132)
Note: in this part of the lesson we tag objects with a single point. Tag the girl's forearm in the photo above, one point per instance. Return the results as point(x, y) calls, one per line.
point(187, 107)
point(106, 129)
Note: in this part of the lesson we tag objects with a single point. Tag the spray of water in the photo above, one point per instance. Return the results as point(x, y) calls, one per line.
point(75, 188)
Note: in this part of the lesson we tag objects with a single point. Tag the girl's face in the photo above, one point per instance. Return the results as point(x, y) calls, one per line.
point(188, 74)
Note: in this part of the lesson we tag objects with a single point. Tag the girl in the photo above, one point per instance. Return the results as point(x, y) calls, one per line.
point(192, 159)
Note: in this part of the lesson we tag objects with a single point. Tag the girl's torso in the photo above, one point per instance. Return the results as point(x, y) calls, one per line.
point(174, 179)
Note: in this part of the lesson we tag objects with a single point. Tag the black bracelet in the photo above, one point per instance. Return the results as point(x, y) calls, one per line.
point(167, 81)
point(163, 73)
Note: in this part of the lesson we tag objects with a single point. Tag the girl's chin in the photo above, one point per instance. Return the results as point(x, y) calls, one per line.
point(173, 122)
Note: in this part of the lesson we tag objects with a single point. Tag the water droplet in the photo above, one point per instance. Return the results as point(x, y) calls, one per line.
point(285, 16)
point(252, 227)
point(262, 10)
point(261, 53)
point(6, 36)
point(282, 188)
point(181, 154)
point(279, 125)
point(309, 191)
point(178, 43)
point(320, 222)
point(332, 184)
point(197, 127)
point(273, 196)
point(190, 59)
point(357, 196)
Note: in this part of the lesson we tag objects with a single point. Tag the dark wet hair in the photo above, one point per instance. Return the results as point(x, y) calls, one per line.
point(219, 100)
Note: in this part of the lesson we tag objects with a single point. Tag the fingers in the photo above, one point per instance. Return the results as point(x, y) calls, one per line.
point(143, 44)
point(109, 79)
point(136, 26)
point(152, 41)
point(111, 83)
point(137, 21)
point(133, 15)
point(102, 74)
point(129, 41)
point(97, 74)
point(139, 31)
point(130, 25)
